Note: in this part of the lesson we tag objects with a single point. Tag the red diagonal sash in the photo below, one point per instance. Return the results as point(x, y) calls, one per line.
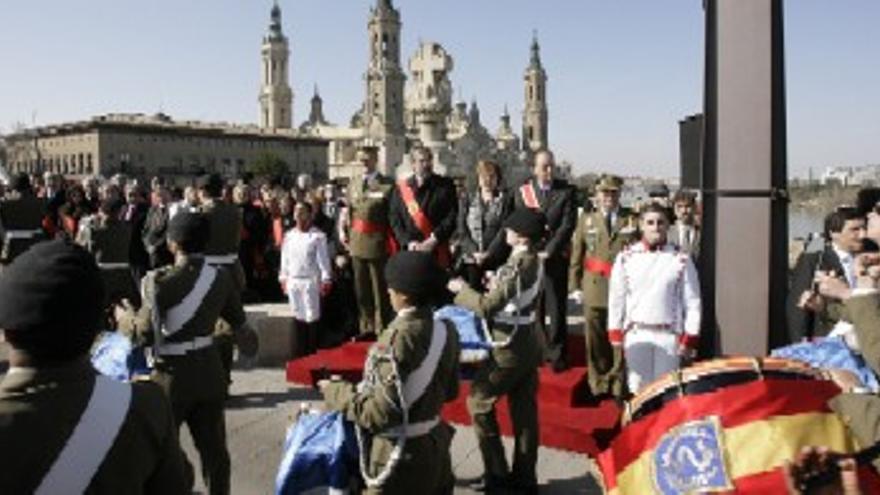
point(422, 222)
point(530, 199)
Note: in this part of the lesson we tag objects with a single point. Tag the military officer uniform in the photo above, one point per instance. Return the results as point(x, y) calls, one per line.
point(597, 240)
point(509, 306)
point(181, 305)
point(108, 239)
point(369, 231)
point(21, 217)
point(411, 369)
point(653, 309)
point(65, 429)
point(225, 220)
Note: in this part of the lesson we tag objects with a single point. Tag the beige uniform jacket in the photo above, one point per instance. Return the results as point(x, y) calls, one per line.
point(593, 241)
point(368, 205)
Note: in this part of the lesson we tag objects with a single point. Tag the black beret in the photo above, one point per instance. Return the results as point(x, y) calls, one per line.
point(415, 273)
point(190, 230)
point(867, 199)
point(527, 222)
point(52, 300)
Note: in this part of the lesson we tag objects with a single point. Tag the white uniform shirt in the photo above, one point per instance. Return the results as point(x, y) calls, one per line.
point(304, 256)
point(654, 289)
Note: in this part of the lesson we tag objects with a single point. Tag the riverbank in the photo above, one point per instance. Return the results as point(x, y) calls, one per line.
point(822, 199)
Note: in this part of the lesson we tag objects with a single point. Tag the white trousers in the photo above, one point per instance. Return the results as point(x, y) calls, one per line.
point(304, 295)
point(649, 354)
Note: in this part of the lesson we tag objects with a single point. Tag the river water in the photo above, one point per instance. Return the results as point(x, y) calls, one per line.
point(801, 222)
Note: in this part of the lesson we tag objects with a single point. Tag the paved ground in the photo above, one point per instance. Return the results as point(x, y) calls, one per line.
point(263, 406)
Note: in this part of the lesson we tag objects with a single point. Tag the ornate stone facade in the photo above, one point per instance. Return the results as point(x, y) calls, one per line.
point(276, 97)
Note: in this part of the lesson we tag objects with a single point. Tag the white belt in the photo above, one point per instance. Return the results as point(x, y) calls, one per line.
point(509, 319)
point(223, 259)
point(412, 430)
point(22, 234)
point(653, 327)
point(113, 266)
point(182, 348)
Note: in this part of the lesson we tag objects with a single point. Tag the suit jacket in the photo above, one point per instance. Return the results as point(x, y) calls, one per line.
point(368, 201)
point(39, 409)
point(225, 220)
point(155, 227)
point(691, 244)
point(803, 324)
point(437, 199)
point(484, 221)
point(561, 213)
point(593, 240)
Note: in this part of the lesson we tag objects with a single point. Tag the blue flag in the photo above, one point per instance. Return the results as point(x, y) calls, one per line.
point(472, 339)
point(320, 450)
point(115, 356)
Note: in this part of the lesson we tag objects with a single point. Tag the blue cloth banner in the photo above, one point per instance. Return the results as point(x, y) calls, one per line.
point(320, 450)
point(472, 340)
point(830, 353)
point(115, 356)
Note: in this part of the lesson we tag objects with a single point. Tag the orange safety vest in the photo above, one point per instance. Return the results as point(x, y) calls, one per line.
point(423, 223)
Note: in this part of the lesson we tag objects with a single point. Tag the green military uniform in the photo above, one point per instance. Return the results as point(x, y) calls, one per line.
point(425, 464)
point(108, 239)
point(861, 412)
point(368, 233)
point(188, 298)
point(225, 220)
point(39, 409)
point(512, 369)
point(593, 250)
point(21, 219)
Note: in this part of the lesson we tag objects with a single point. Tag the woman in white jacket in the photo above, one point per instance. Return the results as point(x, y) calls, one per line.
point(305, 273)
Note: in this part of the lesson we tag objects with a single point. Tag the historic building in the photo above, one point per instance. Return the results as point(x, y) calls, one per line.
point(147, 145)
point(400, 111)
point(276, 97)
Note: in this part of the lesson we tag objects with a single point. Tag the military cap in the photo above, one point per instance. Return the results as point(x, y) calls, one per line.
point(189, 230)
point(608, 182)
point(212, 183)
point(415, 273)
point(52, 300)
point(867, 199)
point(527, 222)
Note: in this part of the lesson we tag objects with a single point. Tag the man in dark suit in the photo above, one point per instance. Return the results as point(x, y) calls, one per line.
point(424, 209)
point(555, 199)
point(844, 234)
point(154, 229)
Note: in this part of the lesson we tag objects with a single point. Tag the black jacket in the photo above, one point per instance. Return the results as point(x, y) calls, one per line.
point(438, 201)
point(802, 323)
point(561, 212)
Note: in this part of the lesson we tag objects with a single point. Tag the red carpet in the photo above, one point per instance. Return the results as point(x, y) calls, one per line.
point(565, 422)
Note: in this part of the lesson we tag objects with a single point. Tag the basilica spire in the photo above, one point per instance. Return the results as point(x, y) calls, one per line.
point(276, 97)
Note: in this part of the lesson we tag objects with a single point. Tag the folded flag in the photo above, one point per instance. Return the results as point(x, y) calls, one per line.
point(472, 337)
point(320, 451)
point(115, 356)
point(831, 353)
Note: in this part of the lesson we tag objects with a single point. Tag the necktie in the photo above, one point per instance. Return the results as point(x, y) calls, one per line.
point(608, 221)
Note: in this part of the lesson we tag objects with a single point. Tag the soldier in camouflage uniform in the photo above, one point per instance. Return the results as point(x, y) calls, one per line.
point(509, 308)
point(411, 371)
point(181, 305)
point(366, 233)
point(599, 236)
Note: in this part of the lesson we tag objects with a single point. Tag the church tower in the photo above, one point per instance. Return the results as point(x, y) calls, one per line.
point(383, 107)
point(535, 114)
point(276, 97)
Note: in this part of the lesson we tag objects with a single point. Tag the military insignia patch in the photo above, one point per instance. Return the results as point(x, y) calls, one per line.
point(690, 459)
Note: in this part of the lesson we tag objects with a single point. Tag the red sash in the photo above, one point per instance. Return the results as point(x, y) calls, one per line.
point(362, 226)
point(597, 266)
point(423, 223)
point(530, 199)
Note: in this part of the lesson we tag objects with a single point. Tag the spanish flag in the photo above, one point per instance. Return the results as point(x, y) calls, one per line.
point(731, 440)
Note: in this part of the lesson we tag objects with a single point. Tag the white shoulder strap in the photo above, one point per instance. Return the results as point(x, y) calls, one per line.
point(417, 381)
point(92, 438)
point(178, 315)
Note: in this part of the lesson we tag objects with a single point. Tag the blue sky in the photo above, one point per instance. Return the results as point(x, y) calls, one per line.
point(622, 72)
